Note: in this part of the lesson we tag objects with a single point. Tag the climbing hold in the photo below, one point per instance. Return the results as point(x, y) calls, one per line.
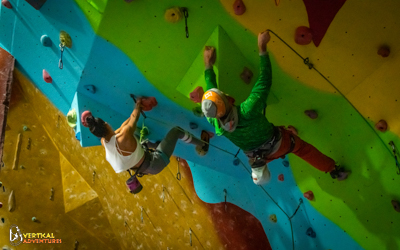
point(311, 113)
point(193, 125)
point(211, 134)
point(280, 177)
point(90, 88)
point(236, 161)
point(310, 232)
point(293, 130)
point(22, 167)
point(197, 111)
point(239, 7)
point(11, 201)
point(273, 218)
point(148, 103)
point(396, 205)
point(46, 77)
point(84, 115)
point(309, 195)
point(246, 75)
point(2, 220)
point(384, 51)
point(197, 94)
point(6, 4)
point(51, 193)
point(25, 128)
point(277, 2)
point(285, 163)
point(1, 204)
point(78, 136)
point(381, 126)
point(303, 35)
point(37, 4)
point(173, 15)
point(46, 41)
point(1, 183)
point(72, 118)
point(65, 39)
point(34, 219)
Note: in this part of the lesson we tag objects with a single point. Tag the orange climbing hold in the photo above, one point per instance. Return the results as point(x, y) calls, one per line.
point(46, 77)
point(381, 126)
point(309, 195)
point(239, 7)
point(311, 113)
point(281, 177)
point(197, 94)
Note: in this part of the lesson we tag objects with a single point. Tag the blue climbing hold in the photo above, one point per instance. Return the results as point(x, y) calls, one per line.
point(46, 41)
point(285, 163)
point(193, 125)
point(78, 136)
point(236, 161)
point(90, 88)
point(310, 232)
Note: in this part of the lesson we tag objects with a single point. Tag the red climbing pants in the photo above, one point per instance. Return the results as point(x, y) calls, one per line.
point(303, 150)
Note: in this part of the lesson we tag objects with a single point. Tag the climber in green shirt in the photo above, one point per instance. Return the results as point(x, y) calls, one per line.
point(248, 128)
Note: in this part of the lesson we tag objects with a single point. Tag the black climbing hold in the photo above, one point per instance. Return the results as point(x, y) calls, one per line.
point(90, 88)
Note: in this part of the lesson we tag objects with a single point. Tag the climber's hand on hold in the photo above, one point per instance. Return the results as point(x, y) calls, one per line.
point(209, 56)
point(263, 39)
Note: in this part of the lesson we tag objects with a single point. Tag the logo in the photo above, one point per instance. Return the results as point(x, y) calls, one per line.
point(15, 238)
point(208, 94)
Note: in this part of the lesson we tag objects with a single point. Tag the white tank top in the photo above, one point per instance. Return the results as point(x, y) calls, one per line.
point(120, 162)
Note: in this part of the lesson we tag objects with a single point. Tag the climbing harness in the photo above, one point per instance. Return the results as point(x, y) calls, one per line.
point(60, 62)
point(186, 14)
point(178, 174)
point(395, 153)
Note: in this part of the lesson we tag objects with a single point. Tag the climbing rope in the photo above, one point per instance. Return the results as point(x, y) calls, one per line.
point(311, 66)
point(244, 166)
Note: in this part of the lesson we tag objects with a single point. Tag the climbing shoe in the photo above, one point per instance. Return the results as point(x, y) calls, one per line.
point(260, 175)
point(205, 137)
point(339, 173)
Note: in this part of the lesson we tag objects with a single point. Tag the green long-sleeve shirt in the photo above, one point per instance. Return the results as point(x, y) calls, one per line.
point(253, 128)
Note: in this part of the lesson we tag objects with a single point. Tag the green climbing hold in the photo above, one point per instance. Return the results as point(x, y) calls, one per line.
point(72, 118)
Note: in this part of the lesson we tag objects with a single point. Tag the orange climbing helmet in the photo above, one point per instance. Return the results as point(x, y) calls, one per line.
point(214, 103)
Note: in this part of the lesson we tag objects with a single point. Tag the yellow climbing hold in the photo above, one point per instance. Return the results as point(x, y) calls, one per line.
point(173, 15)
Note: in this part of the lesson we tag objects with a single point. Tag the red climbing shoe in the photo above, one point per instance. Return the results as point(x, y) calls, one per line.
point(205, 137)
point(339, 173)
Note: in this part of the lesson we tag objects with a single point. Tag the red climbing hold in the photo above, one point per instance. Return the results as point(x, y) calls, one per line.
point(6, 4)
point(197, 94)
point(311, 113)
point(46, 77)
point(381, 126)
point(309, 195)
point(239, 8)
point(396, 205)
point(84, 115)
point(211, 134)
point(148, 103)
point(303, 35)
point(280, 177)
point(293, 130)
point(384, 51)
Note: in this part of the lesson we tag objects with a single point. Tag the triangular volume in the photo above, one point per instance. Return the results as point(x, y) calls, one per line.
point(228, 67)
point(76, 190)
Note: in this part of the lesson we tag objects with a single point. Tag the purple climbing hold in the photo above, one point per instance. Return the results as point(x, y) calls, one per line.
point(303, 35)
point(311, 113)
point(90, 88)
point(46, 77)
point(285, 163)
point(6, 4)
point(193, 125)
point(310, 232)
point(396, 205)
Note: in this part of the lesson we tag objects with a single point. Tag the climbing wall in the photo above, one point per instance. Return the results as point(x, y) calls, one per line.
point(123, 47)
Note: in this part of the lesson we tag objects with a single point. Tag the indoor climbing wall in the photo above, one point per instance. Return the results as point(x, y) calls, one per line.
point(90, 55)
